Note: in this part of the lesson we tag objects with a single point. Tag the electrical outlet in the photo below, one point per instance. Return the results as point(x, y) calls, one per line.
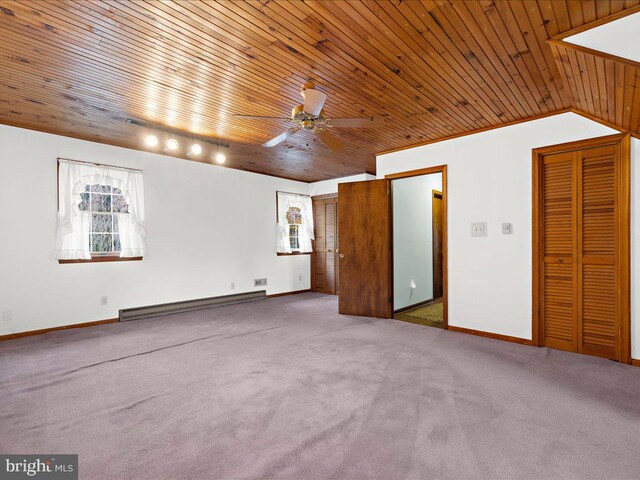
point(479, 229)
point(260, 282)
point(507, 229)
point(7, 316)
point(233, 285)
point(104, 300)
point(299, 278)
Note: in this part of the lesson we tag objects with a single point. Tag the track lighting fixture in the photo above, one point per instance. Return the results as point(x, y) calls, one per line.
point(172, 144)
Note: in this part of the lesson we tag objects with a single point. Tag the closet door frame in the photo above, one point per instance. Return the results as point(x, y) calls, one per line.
point(623, 221)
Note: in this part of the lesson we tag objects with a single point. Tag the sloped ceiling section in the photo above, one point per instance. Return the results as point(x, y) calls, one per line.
point(603, 86)
point(432, 68)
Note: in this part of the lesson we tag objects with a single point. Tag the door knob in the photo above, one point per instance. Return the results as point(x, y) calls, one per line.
point(558, 260)
point(329, 250)
point(341, 255)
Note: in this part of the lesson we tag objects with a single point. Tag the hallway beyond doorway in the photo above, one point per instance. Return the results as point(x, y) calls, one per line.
point(430, 315)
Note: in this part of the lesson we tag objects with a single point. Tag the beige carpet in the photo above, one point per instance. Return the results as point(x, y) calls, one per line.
point(288, 389)
point(430, 315)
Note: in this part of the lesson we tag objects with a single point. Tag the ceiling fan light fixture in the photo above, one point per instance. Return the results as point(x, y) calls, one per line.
point(311, 117)
point(313, 101)
point(220, 158)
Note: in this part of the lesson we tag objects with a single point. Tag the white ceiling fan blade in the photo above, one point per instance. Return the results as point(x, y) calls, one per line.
point(371, 122)
point(313, 101)
point(281, 138)
point(329, 140)
point(257, 117)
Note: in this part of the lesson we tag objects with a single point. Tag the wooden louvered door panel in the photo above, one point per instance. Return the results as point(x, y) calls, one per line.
point(318, 258)
point(581, 223)
point(325, 245)
point(559, 310)
point(330, 226)
point(599, 333)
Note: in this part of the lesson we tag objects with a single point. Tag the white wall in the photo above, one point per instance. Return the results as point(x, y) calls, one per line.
point(489, 179)
point(207, 226)
point(619, 37)
point(331, 186)
point(413, 238)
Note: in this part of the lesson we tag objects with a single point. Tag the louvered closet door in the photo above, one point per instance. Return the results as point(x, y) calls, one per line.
point(584, 286)
point(330, 226)
point(325, 246)
point(599, 333)
point(559, 307)
point(319, 257)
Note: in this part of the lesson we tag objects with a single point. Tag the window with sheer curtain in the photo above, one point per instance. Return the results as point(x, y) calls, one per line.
point(106, 205)
point(294, 228)
point(100, 212)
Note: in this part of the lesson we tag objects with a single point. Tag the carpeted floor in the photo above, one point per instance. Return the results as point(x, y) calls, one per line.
point(287, 388)
point(430, 315)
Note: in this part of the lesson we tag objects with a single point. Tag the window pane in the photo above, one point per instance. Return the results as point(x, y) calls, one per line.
point(87, 188)
point(116, 191)
point(115, 224)
point(119, 205)
point(101, 242)
point(294, 241)
point(101, 188)
point(116, 243)
point(84, 205)
point(102, 223)
point(100, 203)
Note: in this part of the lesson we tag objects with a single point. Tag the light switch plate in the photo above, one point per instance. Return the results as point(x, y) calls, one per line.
point(479, 229)
point(507, 229)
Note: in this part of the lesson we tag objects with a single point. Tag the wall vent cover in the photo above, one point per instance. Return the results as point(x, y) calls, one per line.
point(260, 282)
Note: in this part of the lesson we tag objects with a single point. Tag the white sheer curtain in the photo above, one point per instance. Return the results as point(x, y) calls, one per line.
point(305, 231)
point(74, 225)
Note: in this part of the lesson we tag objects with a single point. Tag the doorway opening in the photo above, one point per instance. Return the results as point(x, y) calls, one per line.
point(418, 204)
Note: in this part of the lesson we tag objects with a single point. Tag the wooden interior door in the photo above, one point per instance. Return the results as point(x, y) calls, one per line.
point(598, 237)
point(325, 246)
point(559, 286)
point(364, 219)
point(437, 224)
point(583, 237)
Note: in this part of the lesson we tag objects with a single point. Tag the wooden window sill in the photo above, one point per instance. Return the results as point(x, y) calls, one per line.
point(103, 259)
point(282, 254)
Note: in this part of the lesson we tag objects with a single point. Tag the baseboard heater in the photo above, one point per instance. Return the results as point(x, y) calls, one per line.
point(139, 313)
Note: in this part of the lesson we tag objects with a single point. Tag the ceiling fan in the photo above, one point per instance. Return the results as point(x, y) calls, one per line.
point(311, 116)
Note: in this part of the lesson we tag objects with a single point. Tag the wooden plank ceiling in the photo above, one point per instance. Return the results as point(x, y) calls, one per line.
point(433, 69)
point(604, 87)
